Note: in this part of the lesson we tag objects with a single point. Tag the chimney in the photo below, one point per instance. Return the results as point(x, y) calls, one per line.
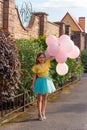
point(82, 22)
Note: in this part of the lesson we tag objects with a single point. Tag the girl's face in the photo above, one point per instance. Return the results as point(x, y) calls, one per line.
point(41, 59)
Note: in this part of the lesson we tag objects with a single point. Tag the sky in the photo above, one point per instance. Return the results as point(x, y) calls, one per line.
point(56, 9)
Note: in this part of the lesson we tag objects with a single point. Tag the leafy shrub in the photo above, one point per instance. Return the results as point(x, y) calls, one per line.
point(84, 59)
point(28, 50)
point(9, 66)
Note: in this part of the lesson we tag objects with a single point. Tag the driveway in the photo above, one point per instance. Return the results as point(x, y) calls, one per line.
point(65, 111)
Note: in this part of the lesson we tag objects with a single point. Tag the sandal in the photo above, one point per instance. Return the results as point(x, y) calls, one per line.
point(40, 117)
point(44, 117)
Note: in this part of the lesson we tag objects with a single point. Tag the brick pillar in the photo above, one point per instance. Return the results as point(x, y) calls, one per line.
point(42, 22)
point(5, 15)
point(1, 13)
point(61, 27)
point(8, 15)
point(76, 37)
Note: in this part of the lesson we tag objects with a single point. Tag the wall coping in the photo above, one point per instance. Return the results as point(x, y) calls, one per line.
point(53, 23)
point(39, 13)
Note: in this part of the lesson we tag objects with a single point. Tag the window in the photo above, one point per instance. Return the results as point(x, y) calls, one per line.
point(67, 22)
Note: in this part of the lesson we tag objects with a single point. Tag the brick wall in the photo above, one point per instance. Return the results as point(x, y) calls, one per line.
point(52, 29)
point(31, 30)
point(38, 24)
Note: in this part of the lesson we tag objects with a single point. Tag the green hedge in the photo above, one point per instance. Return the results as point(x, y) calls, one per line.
point(84, 59)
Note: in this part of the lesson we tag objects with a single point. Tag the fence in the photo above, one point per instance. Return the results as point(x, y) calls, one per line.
point(16, 103)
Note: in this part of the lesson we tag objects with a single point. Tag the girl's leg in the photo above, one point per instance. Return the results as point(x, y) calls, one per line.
point(44, 103)
point(39, 103)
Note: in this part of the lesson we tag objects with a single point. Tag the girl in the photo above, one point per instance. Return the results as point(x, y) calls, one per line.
point(42, 84)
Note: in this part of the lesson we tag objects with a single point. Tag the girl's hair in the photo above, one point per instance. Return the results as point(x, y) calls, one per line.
point(38, 55)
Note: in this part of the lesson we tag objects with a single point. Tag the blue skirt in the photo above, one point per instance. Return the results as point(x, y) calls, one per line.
point(44, 86)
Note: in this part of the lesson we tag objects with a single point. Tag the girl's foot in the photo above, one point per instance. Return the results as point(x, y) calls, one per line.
point(40, 117)
point(44, 117)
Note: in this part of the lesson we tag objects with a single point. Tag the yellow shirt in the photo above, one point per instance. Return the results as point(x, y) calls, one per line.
point(42, 70)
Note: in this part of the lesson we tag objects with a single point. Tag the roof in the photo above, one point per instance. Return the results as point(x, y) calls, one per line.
point(75, 21)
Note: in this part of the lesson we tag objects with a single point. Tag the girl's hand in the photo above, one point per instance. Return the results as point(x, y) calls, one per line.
point(51, 57)
point(32, 87)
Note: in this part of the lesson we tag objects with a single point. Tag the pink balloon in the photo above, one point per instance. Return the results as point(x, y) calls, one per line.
point(61, 57)
point(74, 53)
point(53, 50)
point(66, 45)
point(51, 39)
point(62, 69)
point(64, 37)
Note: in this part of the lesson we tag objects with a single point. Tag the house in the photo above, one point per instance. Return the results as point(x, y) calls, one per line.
point(76, 29)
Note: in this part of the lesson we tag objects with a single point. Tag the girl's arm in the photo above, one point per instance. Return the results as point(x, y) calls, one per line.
point(33, 82)
point(51, 57)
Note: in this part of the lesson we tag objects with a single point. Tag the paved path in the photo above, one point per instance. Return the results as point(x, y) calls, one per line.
point(67, 112)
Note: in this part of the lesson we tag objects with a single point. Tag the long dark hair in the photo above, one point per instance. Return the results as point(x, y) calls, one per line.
point(38, 55)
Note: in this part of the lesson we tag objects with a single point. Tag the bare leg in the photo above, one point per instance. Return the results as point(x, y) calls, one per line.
point(44, 103)
point(39, 103)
